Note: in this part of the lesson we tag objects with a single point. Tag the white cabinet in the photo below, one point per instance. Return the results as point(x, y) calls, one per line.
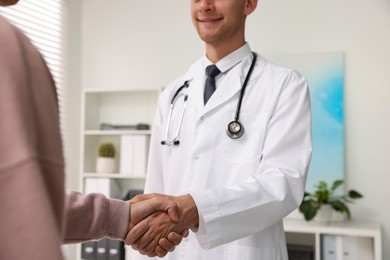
point(120, 108)
point(344, 240)
point(334, 247)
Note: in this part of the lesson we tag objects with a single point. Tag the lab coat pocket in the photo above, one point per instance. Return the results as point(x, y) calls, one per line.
point(248, 148)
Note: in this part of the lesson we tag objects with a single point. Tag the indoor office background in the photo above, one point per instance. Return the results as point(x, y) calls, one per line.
point(125, 44)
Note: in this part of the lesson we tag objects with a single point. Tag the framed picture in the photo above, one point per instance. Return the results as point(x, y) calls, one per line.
point(325, 75)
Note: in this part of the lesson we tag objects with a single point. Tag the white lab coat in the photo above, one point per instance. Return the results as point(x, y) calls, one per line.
point(244, 187)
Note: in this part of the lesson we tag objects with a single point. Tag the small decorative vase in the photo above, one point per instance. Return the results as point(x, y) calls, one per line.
point(105, 165)
point(324, 214)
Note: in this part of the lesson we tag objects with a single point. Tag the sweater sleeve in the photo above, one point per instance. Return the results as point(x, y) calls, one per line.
point(93, 216)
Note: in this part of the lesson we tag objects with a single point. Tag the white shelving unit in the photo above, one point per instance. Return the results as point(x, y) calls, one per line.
point(359, 232)
point(117, 107)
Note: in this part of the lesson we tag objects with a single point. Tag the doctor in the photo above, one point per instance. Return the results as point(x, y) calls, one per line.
point(239, 185)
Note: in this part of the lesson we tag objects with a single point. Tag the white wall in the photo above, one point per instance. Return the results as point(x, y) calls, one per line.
point(71, 135)
point(73, 93)
point(149, 43)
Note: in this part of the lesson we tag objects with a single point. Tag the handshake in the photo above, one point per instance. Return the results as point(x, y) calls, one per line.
point(159, 222)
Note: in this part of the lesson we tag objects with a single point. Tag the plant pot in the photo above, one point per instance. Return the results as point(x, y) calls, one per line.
point(105, 165)
point(324, 214)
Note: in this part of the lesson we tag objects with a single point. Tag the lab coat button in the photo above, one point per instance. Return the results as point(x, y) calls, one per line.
point(195, 157)
point(201, 118)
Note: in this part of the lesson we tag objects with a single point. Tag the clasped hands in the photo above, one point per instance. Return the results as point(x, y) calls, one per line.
point(159, 222)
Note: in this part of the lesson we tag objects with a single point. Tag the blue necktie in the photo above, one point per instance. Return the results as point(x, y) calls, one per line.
point(211, 72)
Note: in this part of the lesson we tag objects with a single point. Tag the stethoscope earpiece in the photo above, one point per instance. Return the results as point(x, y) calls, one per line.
point(235, 130)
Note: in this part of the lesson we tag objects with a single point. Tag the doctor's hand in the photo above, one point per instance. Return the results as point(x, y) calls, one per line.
point(169, 244)
point(144, 208)
point(157, 235)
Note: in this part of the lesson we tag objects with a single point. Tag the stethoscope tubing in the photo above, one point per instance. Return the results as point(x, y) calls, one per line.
point(233, 135)
point(237, 115)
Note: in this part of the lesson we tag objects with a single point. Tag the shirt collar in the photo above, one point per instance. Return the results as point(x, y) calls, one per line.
point(231, 59)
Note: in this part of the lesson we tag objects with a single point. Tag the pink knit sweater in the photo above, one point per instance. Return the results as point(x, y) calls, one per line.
point(34, 220)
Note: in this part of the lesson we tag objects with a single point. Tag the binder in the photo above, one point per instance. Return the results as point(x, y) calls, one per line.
point(329, 247)
point(106, 186)
point(116, 250)
point(336, 247)
point(110, 188)
point(126, 155)
point(88, 250)
point(101, 249)
point(141, 147)
point(134, 154)
point(104, 249)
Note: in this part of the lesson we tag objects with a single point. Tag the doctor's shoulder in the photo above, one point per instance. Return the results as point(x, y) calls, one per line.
point(170, 90)
point(284, 76)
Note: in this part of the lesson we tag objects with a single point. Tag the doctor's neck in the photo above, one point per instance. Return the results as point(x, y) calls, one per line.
point(216, 52)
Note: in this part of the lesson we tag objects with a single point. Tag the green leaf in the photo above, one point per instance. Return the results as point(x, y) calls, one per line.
point(354, 194)
point(322, 186)
point(322, 195)
point(309, 209)
point(341, 207)
point(336, 184)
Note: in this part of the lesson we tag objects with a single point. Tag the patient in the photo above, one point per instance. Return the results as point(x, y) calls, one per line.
point(36, 215)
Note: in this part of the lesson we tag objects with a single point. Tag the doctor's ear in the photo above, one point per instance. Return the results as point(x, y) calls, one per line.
point(250, 6)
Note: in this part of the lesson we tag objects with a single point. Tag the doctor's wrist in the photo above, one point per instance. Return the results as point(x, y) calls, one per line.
point(188, 212)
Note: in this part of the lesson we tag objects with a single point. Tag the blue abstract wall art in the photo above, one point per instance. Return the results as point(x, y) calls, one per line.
point(325, 74)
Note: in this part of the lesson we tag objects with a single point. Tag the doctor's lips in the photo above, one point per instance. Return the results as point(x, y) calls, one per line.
point(209, 21)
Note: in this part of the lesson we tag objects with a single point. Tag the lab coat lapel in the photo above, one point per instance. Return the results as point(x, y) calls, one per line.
point(229, 88)
point(196, 85)
point(195, 92)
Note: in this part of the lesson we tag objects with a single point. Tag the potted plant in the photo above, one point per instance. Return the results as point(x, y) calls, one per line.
point(326, 198)
point(105, 162)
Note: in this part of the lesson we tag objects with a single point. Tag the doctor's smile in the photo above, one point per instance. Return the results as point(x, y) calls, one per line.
point(210, 21)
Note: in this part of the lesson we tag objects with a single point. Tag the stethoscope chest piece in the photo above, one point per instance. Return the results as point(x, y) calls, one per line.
point(235, 129)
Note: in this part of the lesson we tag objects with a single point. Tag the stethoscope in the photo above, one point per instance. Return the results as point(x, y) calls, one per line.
point(234, 129)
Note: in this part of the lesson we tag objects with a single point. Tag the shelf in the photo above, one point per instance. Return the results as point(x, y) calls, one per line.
point(117, 132)
point(119, 90)
point(352, 227)
point(120, 107)
point(113, 176)
point(358, 231)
